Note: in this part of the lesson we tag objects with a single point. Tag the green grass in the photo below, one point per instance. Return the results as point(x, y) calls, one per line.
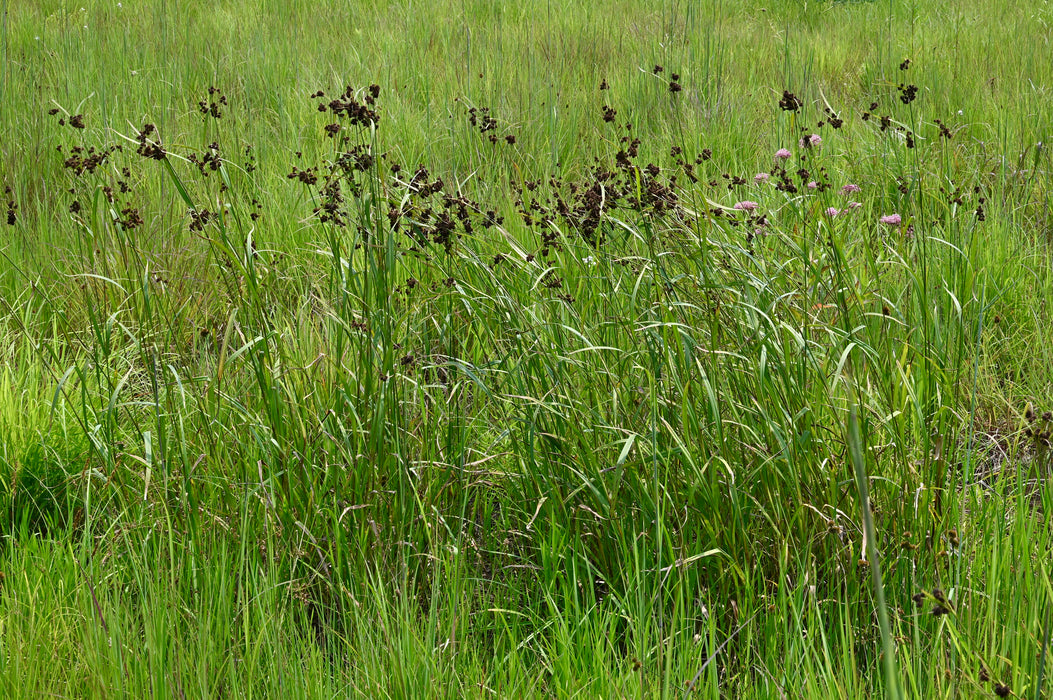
point(287, 416)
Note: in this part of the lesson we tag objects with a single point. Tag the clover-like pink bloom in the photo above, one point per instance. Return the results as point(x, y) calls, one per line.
point(761, 177)
point(782, 154)
point(850, 188)
point(832, 212)
point(745, 206)
point(811, 140)
point(854, 205)
point(891, 219)
point(812, 185)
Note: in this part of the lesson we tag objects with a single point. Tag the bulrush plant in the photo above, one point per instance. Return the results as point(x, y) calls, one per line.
point(598, 436)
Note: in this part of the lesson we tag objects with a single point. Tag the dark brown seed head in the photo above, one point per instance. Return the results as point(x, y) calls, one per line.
point(790, 102)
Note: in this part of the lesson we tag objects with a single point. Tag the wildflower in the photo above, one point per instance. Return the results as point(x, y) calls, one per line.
point(850, 188)
point(832, 212)
point(854, 205)
point(746, 205)
point(811, 140)
point(761, 177)
point(891, 219)
point(812, 185)
point(782, 154)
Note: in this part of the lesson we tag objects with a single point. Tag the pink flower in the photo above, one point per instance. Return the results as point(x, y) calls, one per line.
point(891, 219)
point(850, 188)
point(761, 177)
point(746, 206)
point(812, 185)
point(854, 205)
point(782, 154)
point(811, 140)
point(832, 212)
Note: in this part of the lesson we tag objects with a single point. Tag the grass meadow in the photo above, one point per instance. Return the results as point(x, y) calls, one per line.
point(463, 348)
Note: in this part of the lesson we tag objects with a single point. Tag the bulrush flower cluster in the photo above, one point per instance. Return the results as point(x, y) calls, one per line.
point(211, 106)
point(348, 106)
point(12, 208)
point(790, 102)
point(149, 146)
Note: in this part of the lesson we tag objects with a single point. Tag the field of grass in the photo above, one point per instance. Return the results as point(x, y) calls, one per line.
point(465, 348)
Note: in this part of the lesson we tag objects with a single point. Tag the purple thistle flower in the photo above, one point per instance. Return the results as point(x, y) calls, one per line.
point(854, 205)
point(850, 188)
point(746, 206)
point(782, 154)
point(832, 212)
point(811, 140)
point(891, 219)
point(761, 177)
point(812, 185)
